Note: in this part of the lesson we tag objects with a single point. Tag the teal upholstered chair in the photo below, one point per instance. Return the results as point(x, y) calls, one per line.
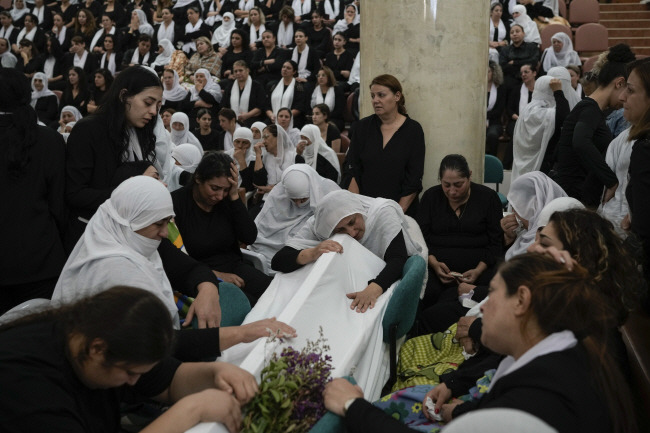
point(494, 174)
point(234, 305)
point(398, 319)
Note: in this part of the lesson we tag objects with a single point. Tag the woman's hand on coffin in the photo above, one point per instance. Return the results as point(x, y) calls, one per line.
point(266, 328)
point(312, 254)
point(366, 298)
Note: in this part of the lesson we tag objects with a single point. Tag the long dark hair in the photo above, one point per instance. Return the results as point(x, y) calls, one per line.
point(15, 97)
point(128, 83)
point(245, 43)
point(569, 300)
point(55, 48)
point(642, 69)
point(133, 323)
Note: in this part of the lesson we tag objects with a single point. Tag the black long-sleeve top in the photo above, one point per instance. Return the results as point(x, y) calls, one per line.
point(47, 109)
point(461, 243)
point(319, 40)
point(230, 57)
point(34, 209)
point(637, 193)
point(395, 258)
point(494, 115)
point(273, 69)
point(562, 111)
point(184, 272)
point(213, 237)
point(512, 107)
point(393, 171)
point(527, 52)
point(581, 169)
point(342, 62)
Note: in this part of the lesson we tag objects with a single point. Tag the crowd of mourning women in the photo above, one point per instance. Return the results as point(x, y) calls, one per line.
point(161, 161)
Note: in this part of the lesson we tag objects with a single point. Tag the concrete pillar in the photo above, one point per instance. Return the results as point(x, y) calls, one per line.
point(438, 51)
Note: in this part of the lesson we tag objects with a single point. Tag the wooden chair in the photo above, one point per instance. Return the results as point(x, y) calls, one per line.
point(588, 65)
point(591, 38)
point(345, 143)
point(584, 11)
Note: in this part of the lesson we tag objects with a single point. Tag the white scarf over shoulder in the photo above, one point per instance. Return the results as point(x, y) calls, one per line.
point(286, 156)
point(618, 159)
point(281, 98)
point(500, 29)
point(534, 129)
point(36, 94)
point(166, 32)
point(329, 99)
point(98, 35)
point(285, 34)
point(567, 56)
point(301, 7)
point(240, 100)
point(144, 27)
point(318, 147)
point(528, 195)
point(281, 218)
point(303, 72)
point(383, 217)
point(189, 28)
point(110, 245)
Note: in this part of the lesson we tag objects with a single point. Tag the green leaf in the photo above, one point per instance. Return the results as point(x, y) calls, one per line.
point(276, 395)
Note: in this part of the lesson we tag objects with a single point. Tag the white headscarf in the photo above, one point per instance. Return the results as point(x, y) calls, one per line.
point(260, 127)
point(527, 196)
point(210, 86)
point(618, 159)
point(16, 13)
point(98, 35)
point(383, 217)
point(563, 75)
point(184, 136)
point(176, 93)
point(40, 93)
point(70, 109)
point(567, 56)
point(283, 98)
point(531, 32)
point(221, 35)
point(246, 134)
point(188, 156)
point(166, 32)
point(239, 104)
point(342, 25)
point(281, 218)
point(110, 238)
point(285, 34)
point(318, 147)
point(286, 156)
point(144, 27)
point(165, 57)
point(534, 129)
point(558, 205)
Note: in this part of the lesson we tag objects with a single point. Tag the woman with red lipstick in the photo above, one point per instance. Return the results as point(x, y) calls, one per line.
point(122, 129)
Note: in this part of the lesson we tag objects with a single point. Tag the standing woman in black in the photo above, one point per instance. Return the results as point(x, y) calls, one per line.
point(636, 104)
point(32, 167)
point(581, 169)
point(387, 148)
point(120, 130)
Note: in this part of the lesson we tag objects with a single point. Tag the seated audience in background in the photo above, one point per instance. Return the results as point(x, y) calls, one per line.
point(284, 119)
point(290, 93)
point(52, 63)
point(32, 181)
point(32, 33)
point(288, 207)
point(204, 58)
point(317, 154)
point(518, 98)
point(496, 102)
point(319, 37)
point(243, 156)
point(267, 61)
point(328, 131)
point(111, 59)
point(206, 93)
point(576, 74)
point(246, 97)
point(530, 27)
point(236, 51)
point(398, 150)
point(44, 14)
point(581, 169)
point(69, 114)
point(163, 55)
point(141, 55)
point(273, 155)
point(195, 28)
point(208, 137)
point(8, 29)
point(214, 221)
point(116, 12)
point(285, 28)
point(256, 26)
point(167, 28)
point(329, 93)
point(307, 59)
point(85, 26)
point(513, 56)
point(166, 117)
point(499, 31)
point(61, 32)
point(28, 58)
point(378, 224)
point(69, 12)
point(102, 82)
point(555, 345)
point(460, 222)
point(221, 35)
point(44, 101)
point(139, 26)
point(181, 133)
point(76, 91)
point(560, 53)
point(349, 25)
point(80, 57)
point(340, 61)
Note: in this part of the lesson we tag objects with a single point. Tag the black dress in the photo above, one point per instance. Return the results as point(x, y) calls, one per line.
point(34, 219)
point(213, 237)
point(637, 193)
point(581, 169)
point(209, 141)
point(394, 171)
point(342, 62)
point(47, 109)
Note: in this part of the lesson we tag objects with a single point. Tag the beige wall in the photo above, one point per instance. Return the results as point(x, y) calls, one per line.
point(438, 51)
